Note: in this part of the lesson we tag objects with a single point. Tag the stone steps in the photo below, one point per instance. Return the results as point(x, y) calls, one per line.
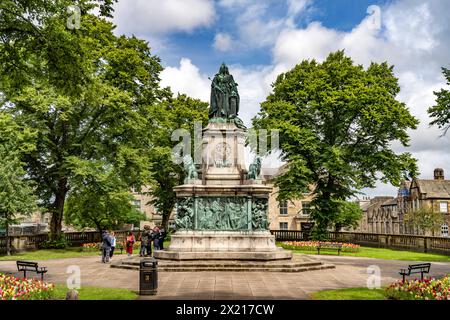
point(232, 268)
point(294, 265)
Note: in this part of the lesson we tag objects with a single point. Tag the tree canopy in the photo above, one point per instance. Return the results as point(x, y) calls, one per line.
point(175, 113)
point(16, 190)
point(441, 111)
point(89, 95)
point(337, 122)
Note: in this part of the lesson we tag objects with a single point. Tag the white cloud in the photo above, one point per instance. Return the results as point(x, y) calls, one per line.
point(223, 42)
point(255, 25)
point(186, 79)
point(156, 16)
point(414, 36)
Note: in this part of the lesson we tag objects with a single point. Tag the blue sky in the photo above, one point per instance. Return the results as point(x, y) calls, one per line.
point(260, 39)
point(341, 15)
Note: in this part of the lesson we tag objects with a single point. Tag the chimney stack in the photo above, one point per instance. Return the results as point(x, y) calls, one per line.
point(439, 174)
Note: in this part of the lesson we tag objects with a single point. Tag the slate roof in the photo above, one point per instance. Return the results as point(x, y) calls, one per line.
point(437, 189)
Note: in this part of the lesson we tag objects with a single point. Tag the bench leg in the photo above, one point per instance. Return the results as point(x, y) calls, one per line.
point(24, 273)
point(42, 277)
point(403, 277)
point(421, 276)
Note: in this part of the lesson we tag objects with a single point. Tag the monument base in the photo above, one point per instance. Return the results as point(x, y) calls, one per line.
point(222, 241)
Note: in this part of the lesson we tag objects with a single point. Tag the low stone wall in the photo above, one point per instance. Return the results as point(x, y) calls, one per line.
point(407, 242)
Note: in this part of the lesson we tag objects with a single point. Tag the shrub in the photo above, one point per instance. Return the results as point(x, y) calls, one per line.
point(12, 288)
point(312, 245)
point(426, 289)
point(60, 243)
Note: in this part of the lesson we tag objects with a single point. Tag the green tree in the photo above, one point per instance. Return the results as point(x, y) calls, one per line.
point(337, 123)
point(425, 219)
point(348, 216)
point(101, 201)
point(16, 191)
point(180, 112)
point(89, 94)
point(441, 111)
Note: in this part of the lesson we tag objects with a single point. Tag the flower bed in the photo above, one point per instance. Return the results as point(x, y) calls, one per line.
point(90, 247)
point(312, 245)
point(12, 288)
point(427, 289)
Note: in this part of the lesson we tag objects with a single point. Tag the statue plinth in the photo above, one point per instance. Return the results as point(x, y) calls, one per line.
point(222, 211)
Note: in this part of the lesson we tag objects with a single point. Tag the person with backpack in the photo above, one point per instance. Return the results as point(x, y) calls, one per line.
point(106, 246)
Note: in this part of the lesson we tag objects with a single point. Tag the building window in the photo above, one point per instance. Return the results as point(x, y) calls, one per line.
point(443, 207)
point(137, 203)
point(306, 208)
point(283, 207)
point(444, 230)
point(284, 226)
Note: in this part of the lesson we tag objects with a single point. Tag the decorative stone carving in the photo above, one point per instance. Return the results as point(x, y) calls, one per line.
point(259, 214)
point(254, 171)
point(185, 213)
point(189, 168)
point(221, 213)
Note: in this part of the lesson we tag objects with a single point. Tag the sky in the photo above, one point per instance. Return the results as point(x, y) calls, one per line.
point(259, 39)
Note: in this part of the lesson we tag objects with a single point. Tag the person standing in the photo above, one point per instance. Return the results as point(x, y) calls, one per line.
point(156, 238)
point(129, 243)
point(113, 244)
point(162, 235)
point(148, 244)
point(106, 246)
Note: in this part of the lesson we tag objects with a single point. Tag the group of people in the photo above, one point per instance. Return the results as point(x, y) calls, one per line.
point(146, 237)
point(108, 245)
point(155, 235)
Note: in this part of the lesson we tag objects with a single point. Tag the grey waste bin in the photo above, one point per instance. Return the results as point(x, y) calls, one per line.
point(148, 277)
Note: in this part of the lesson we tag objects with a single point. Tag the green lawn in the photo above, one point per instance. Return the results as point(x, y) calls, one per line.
point(349, 294)
point(96, 293)
point(381, 253)
point(48, 254)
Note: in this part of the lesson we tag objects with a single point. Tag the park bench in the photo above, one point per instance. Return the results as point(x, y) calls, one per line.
point(32, 267)
point(416, 268)
point(330, 246)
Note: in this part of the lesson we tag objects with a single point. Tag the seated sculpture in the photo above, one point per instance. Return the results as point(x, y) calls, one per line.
point(254, 170)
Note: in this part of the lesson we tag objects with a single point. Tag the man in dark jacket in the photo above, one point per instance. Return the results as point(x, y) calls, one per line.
point(106, 246)
point(162, 235)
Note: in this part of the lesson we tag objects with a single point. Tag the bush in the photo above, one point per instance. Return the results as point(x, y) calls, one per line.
point(12, 288)
point(312, 245)
point(60, 243)
point(426, 289)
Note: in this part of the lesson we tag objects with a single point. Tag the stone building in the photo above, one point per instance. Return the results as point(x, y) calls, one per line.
point(142, 202)
point(386, 214)
point(287, 215)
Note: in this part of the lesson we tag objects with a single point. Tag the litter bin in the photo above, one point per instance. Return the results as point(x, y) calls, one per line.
point(148, 277)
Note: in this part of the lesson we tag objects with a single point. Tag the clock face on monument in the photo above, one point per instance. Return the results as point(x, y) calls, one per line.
point(222, 155)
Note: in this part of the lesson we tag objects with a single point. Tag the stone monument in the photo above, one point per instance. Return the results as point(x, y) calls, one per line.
point(222, 208)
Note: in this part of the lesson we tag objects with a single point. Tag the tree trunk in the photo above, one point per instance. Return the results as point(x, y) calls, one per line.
point(57, 215)
point(8, 241)
point(165, 219)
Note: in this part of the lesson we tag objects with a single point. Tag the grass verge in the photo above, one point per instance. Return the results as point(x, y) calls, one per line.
point(349, 294)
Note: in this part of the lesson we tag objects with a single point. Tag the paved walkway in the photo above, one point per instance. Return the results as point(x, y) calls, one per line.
point(349, 272)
